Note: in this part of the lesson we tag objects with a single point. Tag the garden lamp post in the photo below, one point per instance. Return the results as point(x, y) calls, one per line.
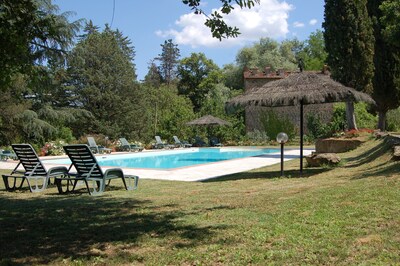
point(282, 138)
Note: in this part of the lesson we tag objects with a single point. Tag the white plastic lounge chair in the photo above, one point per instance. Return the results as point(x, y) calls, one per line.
point(33, 170)
point(89, 171)
point(126, 146)
point(179, 143)
point(97, 148)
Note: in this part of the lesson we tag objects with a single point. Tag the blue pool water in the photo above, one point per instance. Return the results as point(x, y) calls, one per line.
point(173, 159)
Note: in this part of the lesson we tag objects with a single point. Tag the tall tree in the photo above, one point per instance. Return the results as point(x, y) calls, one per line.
point(89, 29)
point(390, 21)
point(153, 77)
point(31, 32)
point(198, 75)
point(349, 42)
point(168, 59)
point(36, 36)
point(102, 76)
point(386, 85)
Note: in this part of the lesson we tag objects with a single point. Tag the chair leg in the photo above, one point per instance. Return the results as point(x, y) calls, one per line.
point(69, 184)
point(14, 185)
point(133, 182)
point(39, 184)
point(98, 186)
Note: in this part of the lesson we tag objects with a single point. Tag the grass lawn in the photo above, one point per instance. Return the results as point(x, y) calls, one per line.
point(349, 215)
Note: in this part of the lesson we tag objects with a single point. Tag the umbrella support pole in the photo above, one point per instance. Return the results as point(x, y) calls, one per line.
point(301, 136)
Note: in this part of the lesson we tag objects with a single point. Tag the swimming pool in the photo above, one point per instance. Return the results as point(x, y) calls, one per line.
point(174, 158)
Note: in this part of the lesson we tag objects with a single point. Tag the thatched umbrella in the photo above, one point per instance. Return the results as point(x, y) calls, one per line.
point(209, 120)
point(299, 89)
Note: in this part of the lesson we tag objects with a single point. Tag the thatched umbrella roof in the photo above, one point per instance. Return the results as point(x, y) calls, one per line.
point(209, 120)
point(299, 89)
point(302, 87)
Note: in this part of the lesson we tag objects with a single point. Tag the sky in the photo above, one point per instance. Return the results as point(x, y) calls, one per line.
point(148, 23)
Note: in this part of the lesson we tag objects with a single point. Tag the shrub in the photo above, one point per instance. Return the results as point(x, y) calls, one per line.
point(393, 120)
point(317, 129)
point(65, 133)
point(364, 119)
point(53, 148)
point(257, 136)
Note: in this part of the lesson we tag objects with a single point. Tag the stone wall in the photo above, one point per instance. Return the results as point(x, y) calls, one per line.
point(253, 114)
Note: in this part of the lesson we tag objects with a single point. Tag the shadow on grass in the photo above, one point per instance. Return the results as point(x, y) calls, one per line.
point(307, 172)
point(369, 155)
point(376, 153)
point(44, 229)
point(384, 170)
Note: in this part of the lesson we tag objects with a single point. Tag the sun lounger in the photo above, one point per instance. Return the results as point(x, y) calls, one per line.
point(97, 148)
point(198, 142)
point(162, 145)
point(182, 144)
point(214, 142)
point(126, 146)
point(33, 170)
point(6, 154)
point(89, 171)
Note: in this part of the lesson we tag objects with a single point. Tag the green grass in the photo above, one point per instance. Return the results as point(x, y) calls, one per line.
point(348, 215)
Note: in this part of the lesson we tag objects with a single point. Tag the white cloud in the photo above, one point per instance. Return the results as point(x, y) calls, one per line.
point(269, 19)
point(298, 24)
point(313, 22)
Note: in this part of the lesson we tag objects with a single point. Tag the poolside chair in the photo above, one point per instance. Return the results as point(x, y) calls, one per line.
point(161, 145)
point(34, 171)
point(198, 142)
point(6, 154)
point(89, 171)
point(182, 144)
point(214, 142)
point(97, 148)
point(126, 146)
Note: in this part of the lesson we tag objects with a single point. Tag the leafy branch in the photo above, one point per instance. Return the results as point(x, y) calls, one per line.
point(215, 21)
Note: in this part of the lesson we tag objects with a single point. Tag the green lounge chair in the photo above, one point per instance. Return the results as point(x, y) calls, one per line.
point(126, 146)
point(97, 148)
point(161, 145)
point(199, 142)
point(89, 171)
point(182, 144)
point(33, 170)
point(214, 142)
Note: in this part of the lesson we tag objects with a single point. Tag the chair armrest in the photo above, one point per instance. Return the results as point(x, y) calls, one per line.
point(57, 170)
point(113, 173)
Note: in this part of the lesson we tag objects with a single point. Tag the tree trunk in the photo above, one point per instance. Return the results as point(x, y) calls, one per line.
point(382, 120)
point(351, 119)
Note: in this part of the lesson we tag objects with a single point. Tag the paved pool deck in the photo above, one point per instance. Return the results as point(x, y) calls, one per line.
point(197, 172)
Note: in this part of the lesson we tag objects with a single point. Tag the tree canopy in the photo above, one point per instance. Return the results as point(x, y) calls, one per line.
point(386, 85)
point(198, 75)
point(102, 77)
point(389, 20)
point(349, 42)
point(168, 59)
